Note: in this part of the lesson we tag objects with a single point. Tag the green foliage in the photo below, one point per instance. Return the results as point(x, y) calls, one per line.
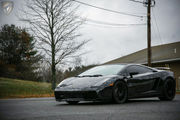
point(20, 88)
point(18, 58)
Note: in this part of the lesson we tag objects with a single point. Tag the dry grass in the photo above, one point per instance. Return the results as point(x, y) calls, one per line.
point(14, 88)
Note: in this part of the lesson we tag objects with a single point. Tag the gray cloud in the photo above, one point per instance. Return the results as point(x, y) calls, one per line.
point(110, 42)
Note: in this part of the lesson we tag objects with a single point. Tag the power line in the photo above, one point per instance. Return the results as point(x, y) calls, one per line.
point(136, 1)
point(104, 26)
point(107, 26)
point(157, 26)
point(155, 33)
point(113, 11)
point(113, 24)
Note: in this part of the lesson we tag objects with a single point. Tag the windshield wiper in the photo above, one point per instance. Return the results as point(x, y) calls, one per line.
point(97, 75)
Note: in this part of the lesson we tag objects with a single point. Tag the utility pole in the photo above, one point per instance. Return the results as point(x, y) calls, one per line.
point(148, 4)
point(149, 32)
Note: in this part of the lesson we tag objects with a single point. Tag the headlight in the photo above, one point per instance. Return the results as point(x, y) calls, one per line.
point(111, 84)
point(60, 84)
point(105, 82)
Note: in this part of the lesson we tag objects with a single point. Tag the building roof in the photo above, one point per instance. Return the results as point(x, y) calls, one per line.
point(160, 54)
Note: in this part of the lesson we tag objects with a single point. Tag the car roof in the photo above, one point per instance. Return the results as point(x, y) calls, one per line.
point(126, 64)
point(131, 64)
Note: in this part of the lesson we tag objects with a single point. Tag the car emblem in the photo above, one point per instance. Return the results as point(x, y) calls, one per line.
point(7, 6)
point(63, 85)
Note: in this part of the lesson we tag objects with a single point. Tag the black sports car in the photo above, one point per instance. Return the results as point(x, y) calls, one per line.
point(117, 82)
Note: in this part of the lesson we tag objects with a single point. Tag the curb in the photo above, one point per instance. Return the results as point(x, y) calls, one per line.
point(28, 96)
point(32, 99)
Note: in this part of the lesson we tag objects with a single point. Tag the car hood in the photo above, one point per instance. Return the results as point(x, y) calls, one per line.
point(84, 82)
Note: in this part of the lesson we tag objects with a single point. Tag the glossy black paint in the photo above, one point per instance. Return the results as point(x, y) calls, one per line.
point(147, 83)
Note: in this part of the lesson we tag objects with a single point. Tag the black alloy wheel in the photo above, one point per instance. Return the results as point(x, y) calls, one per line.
point(169, 90)
point(120, 92)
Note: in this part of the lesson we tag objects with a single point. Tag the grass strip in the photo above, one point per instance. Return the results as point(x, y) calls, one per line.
point(14, 88)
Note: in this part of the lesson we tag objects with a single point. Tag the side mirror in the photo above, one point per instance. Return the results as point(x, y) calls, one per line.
point(133, 73)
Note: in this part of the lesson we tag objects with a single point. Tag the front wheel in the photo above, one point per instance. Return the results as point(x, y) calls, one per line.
point(120, 92)
point(168, 90)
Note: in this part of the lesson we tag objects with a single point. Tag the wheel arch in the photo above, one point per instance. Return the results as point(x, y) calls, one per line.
point(123, 80)
point(165, 78)
point(120, 80)
point(170, 77)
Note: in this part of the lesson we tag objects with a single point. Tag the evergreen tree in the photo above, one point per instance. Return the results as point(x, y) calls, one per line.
point(18, 58)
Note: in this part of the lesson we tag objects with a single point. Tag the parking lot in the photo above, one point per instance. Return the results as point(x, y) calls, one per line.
point(49, 109)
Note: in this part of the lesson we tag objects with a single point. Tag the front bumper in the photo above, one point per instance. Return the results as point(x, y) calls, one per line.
point(76, 95)
point(88, 95)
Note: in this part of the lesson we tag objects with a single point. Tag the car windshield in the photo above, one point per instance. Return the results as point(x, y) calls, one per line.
point(103, 70)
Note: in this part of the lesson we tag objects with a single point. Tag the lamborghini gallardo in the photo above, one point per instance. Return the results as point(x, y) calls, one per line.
point(118, 83)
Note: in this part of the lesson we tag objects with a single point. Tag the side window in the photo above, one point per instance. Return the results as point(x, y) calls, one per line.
point(131, 69)
point(123, 73)
point(142, 69)
point(138, 69)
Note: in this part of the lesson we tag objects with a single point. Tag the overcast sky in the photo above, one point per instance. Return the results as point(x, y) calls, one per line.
point(110, 42)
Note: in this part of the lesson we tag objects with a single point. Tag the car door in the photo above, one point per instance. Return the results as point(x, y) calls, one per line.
point(140, 81)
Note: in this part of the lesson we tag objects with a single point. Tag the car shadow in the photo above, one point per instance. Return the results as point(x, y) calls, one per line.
point(86, 103)
point(142, 101)
point(155, 100)
point(131, 101)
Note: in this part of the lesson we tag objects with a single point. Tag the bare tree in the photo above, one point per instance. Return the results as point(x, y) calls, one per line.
point(77, 62)
point(54, 24)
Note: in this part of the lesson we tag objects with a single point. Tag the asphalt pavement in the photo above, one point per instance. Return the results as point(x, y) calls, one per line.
point(49, 109)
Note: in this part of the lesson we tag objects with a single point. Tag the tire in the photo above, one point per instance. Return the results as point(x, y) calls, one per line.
point(120, 92)
point(72, 102)
point(168, 90)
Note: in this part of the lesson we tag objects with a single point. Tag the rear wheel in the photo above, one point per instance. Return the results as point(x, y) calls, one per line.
point(120, 92)
point(72, 102)
point(168, 90)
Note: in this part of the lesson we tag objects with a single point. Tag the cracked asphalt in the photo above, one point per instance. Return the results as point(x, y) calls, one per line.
point(49, 109)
